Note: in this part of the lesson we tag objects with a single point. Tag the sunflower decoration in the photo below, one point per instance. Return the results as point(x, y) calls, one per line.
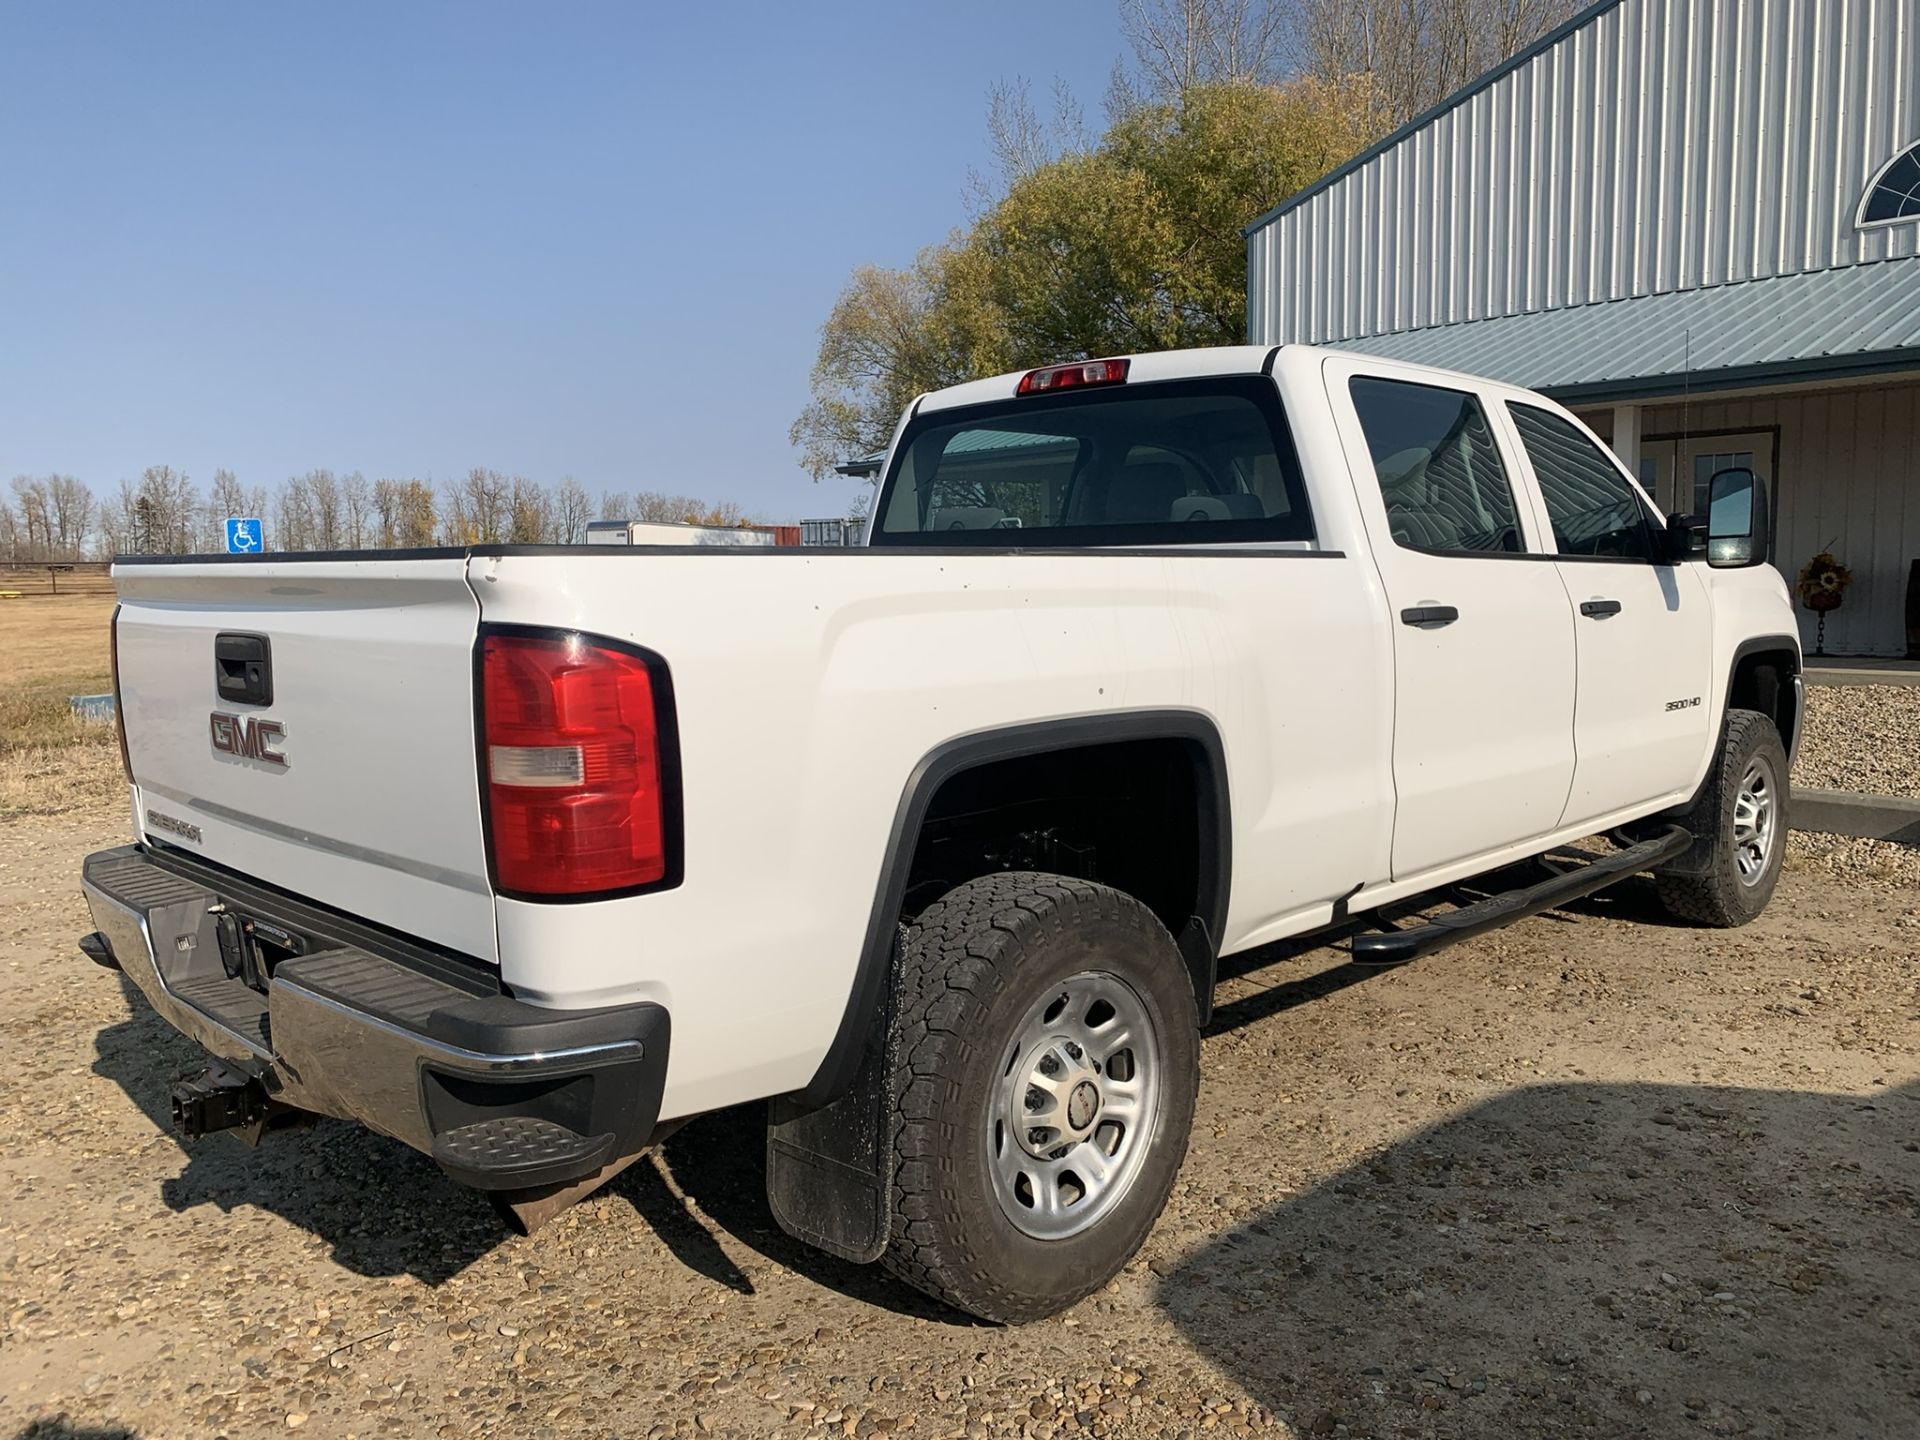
point(1823, 582)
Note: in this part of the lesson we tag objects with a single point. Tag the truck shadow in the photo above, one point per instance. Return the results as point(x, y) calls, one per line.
point(58, 1428)
point(719, 1161)
point(384, 1209)
point(1607, 1259)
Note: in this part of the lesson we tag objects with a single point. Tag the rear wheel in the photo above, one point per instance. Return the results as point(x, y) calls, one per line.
point(1739, 824)
point(1046, 1058)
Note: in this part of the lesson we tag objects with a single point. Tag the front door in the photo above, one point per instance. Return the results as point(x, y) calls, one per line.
point(1645, 629)
point(1483, 636)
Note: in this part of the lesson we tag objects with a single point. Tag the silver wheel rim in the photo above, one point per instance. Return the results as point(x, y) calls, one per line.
point(1075, 1106)
point(1755, 816)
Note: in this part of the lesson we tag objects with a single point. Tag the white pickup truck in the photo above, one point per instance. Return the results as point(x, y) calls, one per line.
point(524, 855)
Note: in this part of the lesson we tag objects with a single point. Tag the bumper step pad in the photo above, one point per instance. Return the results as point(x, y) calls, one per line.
point(510, 1151)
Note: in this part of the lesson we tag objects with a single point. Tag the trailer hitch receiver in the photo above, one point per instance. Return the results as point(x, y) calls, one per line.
point(217, 1098)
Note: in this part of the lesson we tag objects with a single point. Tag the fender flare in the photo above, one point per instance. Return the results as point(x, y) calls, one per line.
point(1759, 644)
point(1199, 941)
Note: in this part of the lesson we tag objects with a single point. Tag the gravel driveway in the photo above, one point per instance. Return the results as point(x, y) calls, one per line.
point(1861, 737)
point(1585, 1176)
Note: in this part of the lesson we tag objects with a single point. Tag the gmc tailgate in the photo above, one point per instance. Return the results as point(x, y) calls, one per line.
point(343, 768)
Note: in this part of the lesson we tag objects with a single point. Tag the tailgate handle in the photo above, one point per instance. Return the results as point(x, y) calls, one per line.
point(243, 668)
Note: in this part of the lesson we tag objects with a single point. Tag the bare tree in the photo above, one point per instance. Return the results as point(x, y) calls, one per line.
point(1019, 142)
point(479, 510)
point(1180, 44)
point(160, 516)
point(324, 492)
point(356, 512)
point(34, 517)
point(70, 509)
point(117, 521)
point(293, 527)
point(571, 511)
point(12, 542)
point(651, 505)
point(1417, 52)
point(228, 499)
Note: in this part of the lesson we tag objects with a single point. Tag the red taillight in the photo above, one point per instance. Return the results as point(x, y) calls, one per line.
point(575, 772)
point(1076, 376)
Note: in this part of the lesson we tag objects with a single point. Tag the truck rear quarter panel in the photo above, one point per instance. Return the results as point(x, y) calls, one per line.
point(810, 685)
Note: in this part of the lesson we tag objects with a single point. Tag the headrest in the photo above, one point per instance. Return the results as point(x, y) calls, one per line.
point(1219, 507)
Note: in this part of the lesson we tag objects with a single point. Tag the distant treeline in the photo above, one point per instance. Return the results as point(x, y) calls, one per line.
point(58, 517)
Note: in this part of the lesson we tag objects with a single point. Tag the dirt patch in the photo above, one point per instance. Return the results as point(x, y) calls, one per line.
point(1588, 1175)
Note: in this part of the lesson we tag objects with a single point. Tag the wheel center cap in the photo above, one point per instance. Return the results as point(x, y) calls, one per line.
point(1083, 1104)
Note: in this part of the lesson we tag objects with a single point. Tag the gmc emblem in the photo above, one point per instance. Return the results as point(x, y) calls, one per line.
point(246, 738)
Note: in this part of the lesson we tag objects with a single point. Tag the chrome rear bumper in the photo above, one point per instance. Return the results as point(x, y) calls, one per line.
point(505, 1095)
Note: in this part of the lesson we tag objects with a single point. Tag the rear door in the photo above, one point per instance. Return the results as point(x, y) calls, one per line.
point(1644, 624)
point(349, 776)
point(1483, 633)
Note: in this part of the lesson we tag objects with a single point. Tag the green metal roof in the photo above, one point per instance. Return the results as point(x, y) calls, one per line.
point(1858, 320)
point(967, 442)
point(864, 467)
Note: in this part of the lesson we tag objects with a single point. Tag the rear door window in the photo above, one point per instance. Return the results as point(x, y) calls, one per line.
point(1440, 473)
point(1170, 462)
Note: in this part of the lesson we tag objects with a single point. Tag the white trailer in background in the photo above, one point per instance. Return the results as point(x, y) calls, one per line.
point(666, 532)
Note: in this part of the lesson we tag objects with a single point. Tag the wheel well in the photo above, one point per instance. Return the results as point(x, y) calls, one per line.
point(1146, 816)
point(1138, 800)
point(1763, 681)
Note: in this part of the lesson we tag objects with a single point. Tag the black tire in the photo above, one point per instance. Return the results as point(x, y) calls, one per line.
point(1707, 886)
point(973, 968)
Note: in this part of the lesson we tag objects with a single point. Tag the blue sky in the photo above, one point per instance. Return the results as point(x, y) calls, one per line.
point(406, 239)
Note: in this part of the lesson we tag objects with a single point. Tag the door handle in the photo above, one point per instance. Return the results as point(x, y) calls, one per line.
point(1429, 617)
point(243, 668)
point(1599, 609)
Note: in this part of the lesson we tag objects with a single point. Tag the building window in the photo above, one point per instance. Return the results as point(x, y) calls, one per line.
point(1894, 194)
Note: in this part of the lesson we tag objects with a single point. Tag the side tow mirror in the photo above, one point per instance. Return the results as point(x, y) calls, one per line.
point(1737, 519)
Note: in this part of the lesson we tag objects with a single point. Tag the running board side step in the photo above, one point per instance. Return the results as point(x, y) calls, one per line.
point(1396, 947)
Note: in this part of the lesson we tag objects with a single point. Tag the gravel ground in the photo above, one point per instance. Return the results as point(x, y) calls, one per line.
point(1861, 737)
point(1590, 1175)
point(1864, 738)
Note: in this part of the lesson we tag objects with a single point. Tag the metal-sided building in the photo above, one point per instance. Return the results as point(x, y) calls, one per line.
point(1697, 223)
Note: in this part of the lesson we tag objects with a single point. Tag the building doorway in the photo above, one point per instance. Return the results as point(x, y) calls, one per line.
point(1675, 469)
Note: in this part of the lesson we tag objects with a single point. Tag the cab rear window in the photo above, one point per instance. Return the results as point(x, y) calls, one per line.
point(1203, 462)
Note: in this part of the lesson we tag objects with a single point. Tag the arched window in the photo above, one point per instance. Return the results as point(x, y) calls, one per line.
point(1895, 191)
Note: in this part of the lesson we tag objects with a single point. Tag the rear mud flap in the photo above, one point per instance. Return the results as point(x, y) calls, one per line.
point(829, 1169)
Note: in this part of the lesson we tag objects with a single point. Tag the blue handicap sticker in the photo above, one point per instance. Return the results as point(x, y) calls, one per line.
point(243, 536)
